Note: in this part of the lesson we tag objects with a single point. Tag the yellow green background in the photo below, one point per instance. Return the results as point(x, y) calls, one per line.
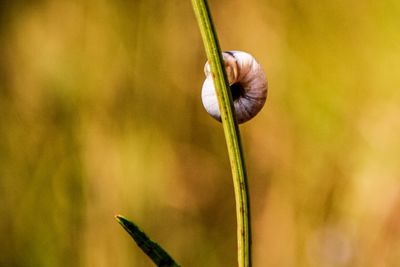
point(100, 114)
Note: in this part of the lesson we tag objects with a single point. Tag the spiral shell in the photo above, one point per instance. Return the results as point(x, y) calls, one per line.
point(247, 82)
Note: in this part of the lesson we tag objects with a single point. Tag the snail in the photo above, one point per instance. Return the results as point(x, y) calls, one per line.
point(247, 82)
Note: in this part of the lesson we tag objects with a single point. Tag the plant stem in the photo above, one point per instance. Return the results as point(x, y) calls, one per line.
point(231, 130)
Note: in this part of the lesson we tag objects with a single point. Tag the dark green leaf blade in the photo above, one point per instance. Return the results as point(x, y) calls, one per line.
point(156, 253)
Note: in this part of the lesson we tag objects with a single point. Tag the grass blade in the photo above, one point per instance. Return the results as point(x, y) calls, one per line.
point(156, 253)
point(231, 129)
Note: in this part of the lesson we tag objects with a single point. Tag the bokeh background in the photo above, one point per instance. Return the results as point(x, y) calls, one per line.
point(100, 114)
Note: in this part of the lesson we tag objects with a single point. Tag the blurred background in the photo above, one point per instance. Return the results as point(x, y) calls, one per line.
point(100, 114)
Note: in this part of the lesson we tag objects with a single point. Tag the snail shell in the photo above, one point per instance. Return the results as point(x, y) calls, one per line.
point(247, 82)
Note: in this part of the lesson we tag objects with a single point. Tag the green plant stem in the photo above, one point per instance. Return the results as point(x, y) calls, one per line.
point(231, 130)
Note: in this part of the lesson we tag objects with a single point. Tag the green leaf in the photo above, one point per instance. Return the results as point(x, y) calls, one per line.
point(156, 253)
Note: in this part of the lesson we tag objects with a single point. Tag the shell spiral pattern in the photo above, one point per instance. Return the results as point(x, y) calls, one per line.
point(247, 82)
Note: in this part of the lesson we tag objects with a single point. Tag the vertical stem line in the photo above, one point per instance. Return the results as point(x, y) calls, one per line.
point(231, 130)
